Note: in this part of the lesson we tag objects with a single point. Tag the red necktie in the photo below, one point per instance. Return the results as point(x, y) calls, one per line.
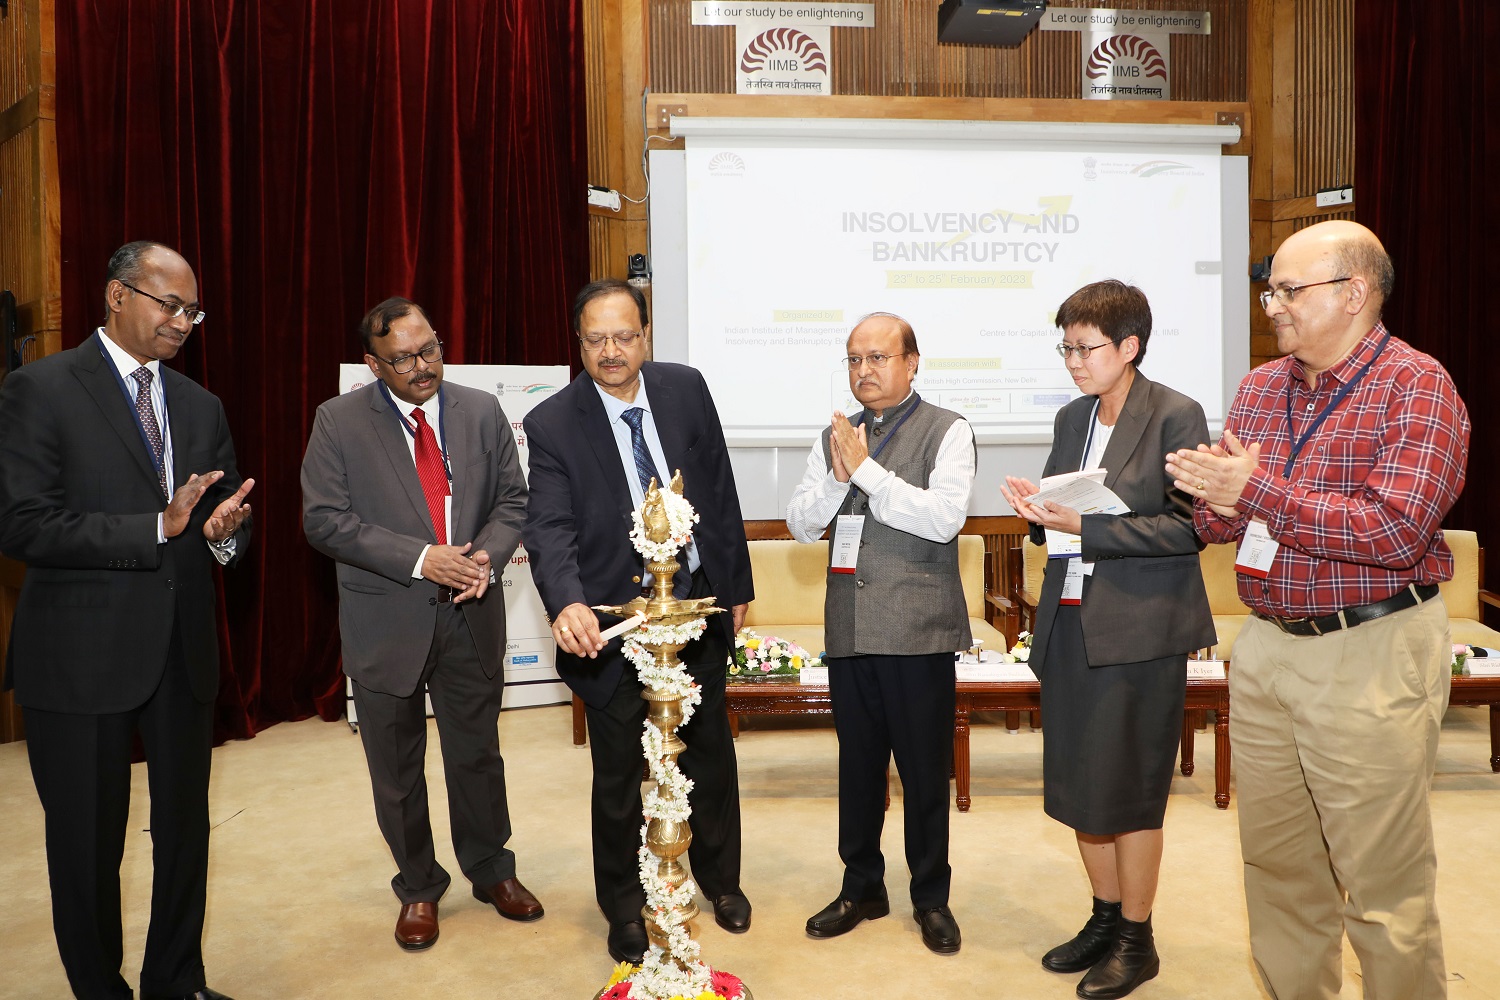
point(434, 476)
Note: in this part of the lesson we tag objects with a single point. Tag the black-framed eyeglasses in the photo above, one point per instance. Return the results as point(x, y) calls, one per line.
point(1082, 350)
point(874, 360)
point(172, 309)
point(1286, 293)
point(623, 339)
point(407, 362)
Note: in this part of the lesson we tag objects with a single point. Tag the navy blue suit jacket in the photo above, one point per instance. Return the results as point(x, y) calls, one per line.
point(578, 519)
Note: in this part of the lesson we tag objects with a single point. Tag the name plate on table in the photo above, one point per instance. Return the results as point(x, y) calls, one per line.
point(1206, 670)
point(1482, 666)
point(989, 667)
point(813, 675)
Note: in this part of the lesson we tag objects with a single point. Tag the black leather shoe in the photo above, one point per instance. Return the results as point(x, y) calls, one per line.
point(732, 912)
point(939, 929)
point(842, 915)
point(1131, 962)
point(203, 994)
point(627, 942)
point(1088, 945)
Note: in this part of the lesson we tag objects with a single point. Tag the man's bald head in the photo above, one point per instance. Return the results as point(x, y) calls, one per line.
point(1353, 250)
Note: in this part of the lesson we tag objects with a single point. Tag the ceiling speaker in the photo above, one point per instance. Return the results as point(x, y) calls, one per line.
point(988, 22)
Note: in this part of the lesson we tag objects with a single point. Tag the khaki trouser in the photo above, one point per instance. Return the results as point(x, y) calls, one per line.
point(1334, 740)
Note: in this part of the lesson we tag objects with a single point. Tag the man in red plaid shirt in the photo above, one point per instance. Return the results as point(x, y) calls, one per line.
point(1338, 464)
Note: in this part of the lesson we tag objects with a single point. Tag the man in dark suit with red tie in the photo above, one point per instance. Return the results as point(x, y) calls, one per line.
point(118, 490)
point(593, 448)
point(415, 488)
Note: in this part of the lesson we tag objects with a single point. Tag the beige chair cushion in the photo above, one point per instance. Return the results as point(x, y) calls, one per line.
point(1461, 594)
point(790, 583)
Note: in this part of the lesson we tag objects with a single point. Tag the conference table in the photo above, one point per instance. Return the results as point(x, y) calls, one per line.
point(765, 698)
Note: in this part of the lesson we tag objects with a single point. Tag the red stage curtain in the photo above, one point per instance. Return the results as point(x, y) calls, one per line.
point(310, 158)
point(1427, 138)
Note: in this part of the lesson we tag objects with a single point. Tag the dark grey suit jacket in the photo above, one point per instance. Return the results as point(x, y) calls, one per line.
point(1147, 598)
point(79, 501)
point(362, 504)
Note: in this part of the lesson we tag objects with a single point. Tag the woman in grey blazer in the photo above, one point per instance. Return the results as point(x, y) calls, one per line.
point(1114, 628)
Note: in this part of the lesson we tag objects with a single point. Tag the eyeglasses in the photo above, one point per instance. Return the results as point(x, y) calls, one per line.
point(623, 340)
point(172, 309)
point(1286, 293)
point(1082, 350)
point(874, 360)
point(432, 355)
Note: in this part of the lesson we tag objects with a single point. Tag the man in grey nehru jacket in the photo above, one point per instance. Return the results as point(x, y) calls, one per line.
point(893, 485)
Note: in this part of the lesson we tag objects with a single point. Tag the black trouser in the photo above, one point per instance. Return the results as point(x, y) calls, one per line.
point(393, 729)
point(615, 744)
point(81, 766)
point(901, 705)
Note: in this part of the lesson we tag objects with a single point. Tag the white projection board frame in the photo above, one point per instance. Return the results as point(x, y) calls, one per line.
point(669, 222)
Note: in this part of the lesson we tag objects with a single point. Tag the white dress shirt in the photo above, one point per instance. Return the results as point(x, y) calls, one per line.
point(614, 408)
point(126, 366)
point(936, 513)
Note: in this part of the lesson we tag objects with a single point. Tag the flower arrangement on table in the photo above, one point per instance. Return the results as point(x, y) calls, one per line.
point(1021, 651)
point(721, 986)
point(1461, 653)
point(765, 657)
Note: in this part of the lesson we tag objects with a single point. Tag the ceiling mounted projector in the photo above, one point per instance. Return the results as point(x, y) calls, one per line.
point(988, 22)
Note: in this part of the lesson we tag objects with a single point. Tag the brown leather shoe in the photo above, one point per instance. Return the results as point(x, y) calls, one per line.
point(417, 927)
point(511, 899)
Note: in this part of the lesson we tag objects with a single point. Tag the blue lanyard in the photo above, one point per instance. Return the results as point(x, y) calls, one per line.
point(406, 424)
point(1299, 443)
point(165, 428)
point(916, 401)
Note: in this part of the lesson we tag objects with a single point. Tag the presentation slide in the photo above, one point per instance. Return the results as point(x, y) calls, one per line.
point(790, 242)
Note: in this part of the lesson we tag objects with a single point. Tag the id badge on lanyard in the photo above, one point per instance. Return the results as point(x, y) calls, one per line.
point(1072, 592)
point(1257, 551)
point(846, 535)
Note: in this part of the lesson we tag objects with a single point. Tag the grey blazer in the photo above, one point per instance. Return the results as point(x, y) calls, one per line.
point(1147, 599)
point(362, 504)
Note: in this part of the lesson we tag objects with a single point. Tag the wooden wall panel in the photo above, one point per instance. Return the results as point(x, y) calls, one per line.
point(19, 66)
point(901, 57)
point(30, 223)
point(22, 269)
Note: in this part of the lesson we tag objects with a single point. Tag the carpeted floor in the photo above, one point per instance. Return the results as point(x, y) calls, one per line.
point(300, 904)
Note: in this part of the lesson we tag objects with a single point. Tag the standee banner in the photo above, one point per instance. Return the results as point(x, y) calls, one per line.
point(530, 667)
point(1126, 54)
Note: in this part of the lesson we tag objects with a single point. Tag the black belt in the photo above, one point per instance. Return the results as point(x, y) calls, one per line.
point(445, 595)
point(1413, 595)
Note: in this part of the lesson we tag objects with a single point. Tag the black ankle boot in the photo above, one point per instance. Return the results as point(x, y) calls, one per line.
point(1130, 963)
point(1088, 945)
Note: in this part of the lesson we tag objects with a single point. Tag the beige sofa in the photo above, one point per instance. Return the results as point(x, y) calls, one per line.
point(1463, 595)
point(789, 587)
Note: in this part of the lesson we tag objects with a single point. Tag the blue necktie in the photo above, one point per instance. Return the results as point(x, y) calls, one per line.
point(644, 466)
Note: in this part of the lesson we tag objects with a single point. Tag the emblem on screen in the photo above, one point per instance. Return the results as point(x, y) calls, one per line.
point(726, 165)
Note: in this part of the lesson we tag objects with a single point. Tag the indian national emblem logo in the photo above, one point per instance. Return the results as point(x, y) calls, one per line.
point(1089, 173)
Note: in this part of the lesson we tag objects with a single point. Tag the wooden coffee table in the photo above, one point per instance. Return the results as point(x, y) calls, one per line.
point(974, 696)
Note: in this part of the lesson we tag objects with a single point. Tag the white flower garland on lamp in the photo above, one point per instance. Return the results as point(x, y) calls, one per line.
point(658, 979)
point(680, 520)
